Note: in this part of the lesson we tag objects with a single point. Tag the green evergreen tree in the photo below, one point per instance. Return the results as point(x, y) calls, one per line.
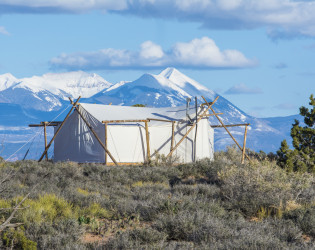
point(283, 153)
point(302, 157)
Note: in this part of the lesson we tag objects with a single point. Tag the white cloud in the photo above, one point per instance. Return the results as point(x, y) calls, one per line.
point(280, 17)
point(150, 50)
point(53, 6)
point(242, 89)
point(199, 53)
point(3, 31)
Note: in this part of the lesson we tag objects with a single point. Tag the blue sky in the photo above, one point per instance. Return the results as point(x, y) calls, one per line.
point(260, 55)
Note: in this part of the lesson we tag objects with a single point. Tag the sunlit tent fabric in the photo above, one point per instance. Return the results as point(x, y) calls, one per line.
point(127, 141)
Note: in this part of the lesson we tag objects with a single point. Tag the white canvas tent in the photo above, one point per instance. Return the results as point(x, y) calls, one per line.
point(127, 141)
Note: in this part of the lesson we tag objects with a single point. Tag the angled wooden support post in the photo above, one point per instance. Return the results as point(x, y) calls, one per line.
point(192, 127)
point(96, 136)
point(51, 141)
point(45, 135)
point(106, 125)
point(173, 135)
point(226, 128)
point(148, 141)
point(244, 145)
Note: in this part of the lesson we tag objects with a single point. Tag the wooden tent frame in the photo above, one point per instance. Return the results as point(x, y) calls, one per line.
point(146, 121)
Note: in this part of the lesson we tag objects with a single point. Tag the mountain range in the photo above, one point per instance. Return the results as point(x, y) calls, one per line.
point(39, 98)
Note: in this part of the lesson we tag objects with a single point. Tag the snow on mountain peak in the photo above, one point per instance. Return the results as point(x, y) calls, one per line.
point(184, 82)
point(66, 84)
point(6, 81)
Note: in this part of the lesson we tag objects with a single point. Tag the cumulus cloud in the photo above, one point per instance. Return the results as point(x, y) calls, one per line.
point(197, 54)
point(242, 89)
point(3, 31)
point(282, 18)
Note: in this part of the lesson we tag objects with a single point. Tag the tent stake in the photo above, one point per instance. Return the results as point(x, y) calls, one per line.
point(191, 128)
point(96, 136)
point(148, 141)
point(51, 141)
point(244, 146)
point(226, 129)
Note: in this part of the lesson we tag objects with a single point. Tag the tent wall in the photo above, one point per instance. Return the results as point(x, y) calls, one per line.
point(160, 140)
point(127, 142)
point(75, 141)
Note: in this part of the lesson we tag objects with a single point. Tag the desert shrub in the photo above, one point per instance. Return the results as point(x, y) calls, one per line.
point(206, 204)
point(95, 210)
point(251, 187)
point(195, 227)
point(137, 239)
point(204, 229)
point(47, 208)
point(63, 234)
point(203, 191)
point(16, 239)
point(231, 155)
point(205, 169)
point(304, 218)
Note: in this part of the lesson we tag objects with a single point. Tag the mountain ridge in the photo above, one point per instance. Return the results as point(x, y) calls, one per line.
point(169, 88)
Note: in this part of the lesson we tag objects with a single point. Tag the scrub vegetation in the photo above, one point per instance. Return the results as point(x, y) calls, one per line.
point(218, 204)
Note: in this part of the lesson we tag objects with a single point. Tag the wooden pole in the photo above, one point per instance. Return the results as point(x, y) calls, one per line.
point(96, 136)
point(191, 128)
point(230, 125)
point(51, 141)
point(123, 121)
point(173, 135)
point(159, 120)
point(45, 135)
point(244, 146)
point(148, 141)
point(106, 143)
point(195, 141)
point(226, 129)
point(207, 115)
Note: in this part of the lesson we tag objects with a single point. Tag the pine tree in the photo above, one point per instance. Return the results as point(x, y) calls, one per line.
point(283, 154)
point(302, 157)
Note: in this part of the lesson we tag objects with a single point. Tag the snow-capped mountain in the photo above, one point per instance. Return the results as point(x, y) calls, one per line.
point(50, 91)
point(169, 88)
point(25, 100)
point(172, 88)
point(6, 81)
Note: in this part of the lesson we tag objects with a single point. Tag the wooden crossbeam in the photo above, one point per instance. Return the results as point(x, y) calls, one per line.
point(230, 125)
point(159, 120)
point(207, 115)
point(123, 121)
point(47, 124)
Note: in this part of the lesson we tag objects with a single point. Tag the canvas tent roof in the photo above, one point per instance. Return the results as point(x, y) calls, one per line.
point(112, 112)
